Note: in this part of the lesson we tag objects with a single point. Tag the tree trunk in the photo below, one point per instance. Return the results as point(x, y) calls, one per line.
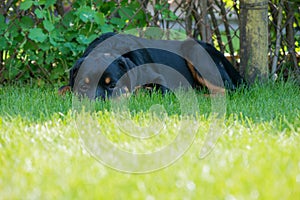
point(205, 26)
point(254, 40)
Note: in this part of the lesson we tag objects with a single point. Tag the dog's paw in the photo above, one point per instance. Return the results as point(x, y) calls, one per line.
point(64, 89)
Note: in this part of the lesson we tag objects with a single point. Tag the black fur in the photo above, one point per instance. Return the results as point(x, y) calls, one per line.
point(121, 65)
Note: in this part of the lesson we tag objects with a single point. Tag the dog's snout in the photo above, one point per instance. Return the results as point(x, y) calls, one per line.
point(101, 93)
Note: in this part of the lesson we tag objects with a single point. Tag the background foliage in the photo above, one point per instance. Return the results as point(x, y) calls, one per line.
point(40, 40)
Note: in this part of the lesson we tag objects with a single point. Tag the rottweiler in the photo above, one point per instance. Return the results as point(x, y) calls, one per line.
point(160, 64)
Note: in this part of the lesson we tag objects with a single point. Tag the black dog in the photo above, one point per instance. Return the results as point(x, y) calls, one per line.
point(111, 57)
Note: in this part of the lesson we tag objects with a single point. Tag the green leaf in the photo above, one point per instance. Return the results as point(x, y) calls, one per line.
point(70, 45)
point(92, 37)
point(14, 30)
point(50, 58)
point(53, 42)
point(83, 39)
point(69, 19)
point(86, 40)
point(50, 3)
point(32, 55)
point(99, 18)
point(158, 6)
point(48, 25)
point(44, 46)
point(26, 22)
point(118, 21)
point(85, 14)
point(107, 28)
point(126, 13)
point(3, 43)
point(57, 36)
point(40, 2)
point(2, 19)
point(25, 5)
point(40, 13)
point(71, 35)
point(37, 35)
point(3, 25)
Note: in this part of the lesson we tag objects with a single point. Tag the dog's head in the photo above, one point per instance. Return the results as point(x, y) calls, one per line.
point(96, 77)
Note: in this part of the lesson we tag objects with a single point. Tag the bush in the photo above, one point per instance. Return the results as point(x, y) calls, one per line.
point(40, 40)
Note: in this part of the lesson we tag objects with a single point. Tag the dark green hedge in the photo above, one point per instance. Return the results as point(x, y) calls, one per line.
point(40, 40)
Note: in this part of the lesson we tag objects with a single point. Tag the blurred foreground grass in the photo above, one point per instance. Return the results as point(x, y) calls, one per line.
point(256, 157)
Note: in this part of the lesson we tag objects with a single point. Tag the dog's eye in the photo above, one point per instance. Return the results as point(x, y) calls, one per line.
point(107, 80)
point(109, 83)
point(87, 80)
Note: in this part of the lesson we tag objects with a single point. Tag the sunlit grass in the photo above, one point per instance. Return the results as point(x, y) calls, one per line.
point(256, 157)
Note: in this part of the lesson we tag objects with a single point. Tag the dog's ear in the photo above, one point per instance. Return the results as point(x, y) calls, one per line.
point(64, 89)
point(124, 66)
point(74, 71)
point(125, 63)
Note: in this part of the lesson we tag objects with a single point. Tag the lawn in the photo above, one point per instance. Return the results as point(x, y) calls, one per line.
point(43, 155)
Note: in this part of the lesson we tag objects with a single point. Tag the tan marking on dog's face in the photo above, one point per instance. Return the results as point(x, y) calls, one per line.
point(107, 80)
point(87, 80)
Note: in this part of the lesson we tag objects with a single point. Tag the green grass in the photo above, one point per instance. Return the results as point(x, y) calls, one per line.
point(257, 156)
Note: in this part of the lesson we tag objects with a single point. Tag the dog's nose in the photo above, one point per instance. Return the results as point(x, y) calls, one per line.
point(101, 94)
